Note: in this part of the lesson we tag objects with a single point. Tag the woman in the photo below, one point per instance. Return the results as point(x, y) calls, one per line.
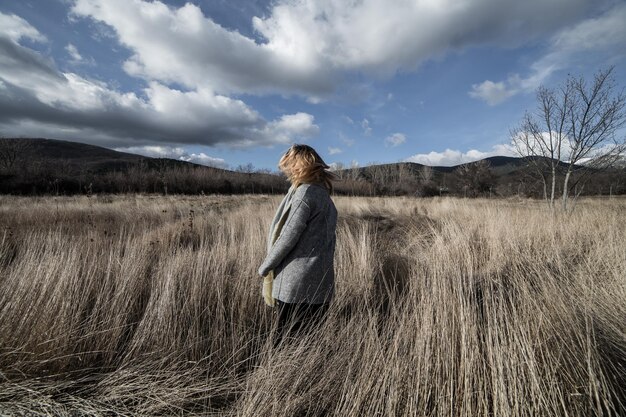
point(298, 270)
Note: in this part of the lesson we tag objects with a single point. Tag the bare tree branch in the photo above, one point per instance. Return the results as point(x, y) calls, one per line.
point(573, 132)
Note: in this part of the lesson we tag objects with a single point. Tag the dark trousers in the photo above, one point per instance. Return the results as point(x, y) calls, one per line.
point(295, 318)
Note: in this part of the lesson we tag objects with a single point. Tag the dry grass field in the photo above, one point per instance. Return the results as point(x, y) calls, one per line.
point(151, 305)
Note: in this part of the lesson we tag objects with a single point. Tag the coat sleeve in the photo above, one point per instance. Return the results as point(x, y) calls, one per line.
point(292, 230)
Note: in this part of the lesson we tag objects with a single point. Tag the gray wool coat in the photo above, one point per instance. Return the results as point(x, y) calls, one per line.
point(302, 256)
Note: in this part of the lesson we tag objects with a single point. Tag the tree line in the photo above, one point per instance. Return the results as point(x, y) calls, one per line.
point(471, 180)
point(20, 174)
point(150, 175)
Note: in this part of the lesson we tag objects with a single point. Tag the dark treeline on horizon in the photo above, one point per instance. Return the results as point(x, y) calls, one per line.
point(470, 180)
point(43, 179)
point(50, 167)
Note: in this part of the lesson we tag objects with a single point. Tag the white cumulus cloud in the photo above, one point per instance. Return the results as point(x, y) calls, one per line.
point(451, 157)
point(182, 45)
point(36, 97)
point(365, 124)
point(16, 28)
point(73, 52)
point(492, 93)
point(395, 139)
point(333, 151)
point(306, 46)
point(382, 37)
point(75, 56)
point(157, 151)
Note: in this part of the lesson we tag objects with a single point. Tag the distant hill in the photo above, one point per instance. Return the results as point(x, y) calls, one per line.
point(64, 167)
point(504, 176)
point(499, 165)
point(78, 157)
point(60, 166)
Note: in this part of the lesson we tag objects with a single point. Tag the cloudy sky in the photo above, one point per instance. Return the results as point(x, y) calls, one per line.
point(230, 82)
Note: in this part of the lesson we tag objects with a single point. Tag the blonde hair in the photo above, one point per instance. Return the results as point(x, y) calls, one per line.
point(302, 164)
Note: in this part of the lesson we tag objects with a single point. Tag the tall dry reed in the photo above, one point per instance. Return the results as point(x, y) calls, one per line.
point(151, 305)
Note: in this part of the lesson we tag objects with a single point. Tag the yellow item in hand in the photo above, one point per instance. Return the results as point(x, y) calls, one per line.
point(268, 280)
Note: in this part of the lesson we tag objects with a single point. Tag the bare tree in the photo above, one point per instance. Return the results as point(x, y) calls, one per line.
point(542, 136)
point(12, 150)
point(573, 130)
point(377, 174)
point(162, 168)
point(426, 186)
point(246, 169)
point(596, 114)
point(476, 178)
point(354, 172)
point(338, 168)
point(426, 173)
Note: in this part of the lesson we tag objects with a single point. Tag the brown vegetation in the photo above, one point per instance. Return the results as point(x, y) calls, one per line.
point(54, 167)
point(151, 305)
